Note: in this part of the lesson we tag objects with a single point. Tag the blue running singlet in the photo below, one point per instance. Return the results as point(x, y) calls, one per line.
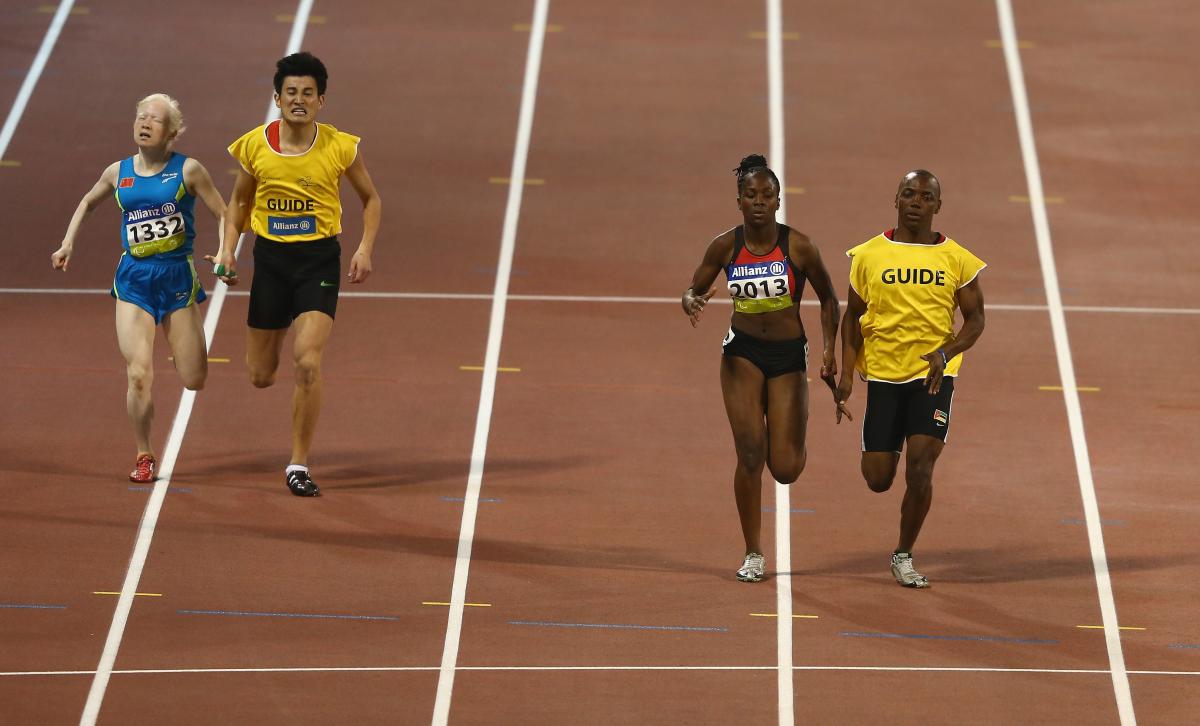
point(156, 211)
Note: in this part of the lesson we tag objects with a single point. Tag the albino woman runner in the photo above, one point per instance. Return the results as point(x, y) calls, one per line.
point(156, 281)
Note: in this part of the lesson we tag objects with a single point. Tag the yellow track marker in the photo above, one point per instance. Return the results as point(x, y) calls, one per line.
point(210, 360)
point(9, 162)
point(1024, 199)
point(1022, 44)
point(793, 190)
point(1081, 389)
point(466, 604)
point(506, 180)
point(52, 9)
point(762, 35)
point(312, 19)
point(526, 27)
point(1101, 627)
point(136, 594)
point(775, 615)
point(479, 368)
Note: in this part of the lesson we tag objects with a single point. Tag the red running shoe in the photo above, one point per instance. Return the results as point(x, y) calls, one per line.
point(143, 469)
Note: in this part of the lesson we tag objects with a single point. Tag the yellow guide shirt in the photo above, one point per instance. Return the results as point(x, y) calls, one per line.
point(296, 199)
point(911, 292)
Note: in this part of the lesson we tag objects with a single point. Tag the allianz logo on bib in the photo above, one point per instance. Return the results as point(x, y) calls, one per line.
point(136, 215)
point(285, 226)
point(770, 269)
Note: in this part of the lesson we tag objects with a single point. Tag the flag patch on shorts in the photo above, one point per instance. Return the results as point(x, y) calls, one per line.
point(940, 417)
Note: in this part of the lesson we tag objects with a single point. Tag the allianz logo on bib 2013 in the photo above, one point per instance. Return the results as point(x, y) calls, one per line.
point(771, 269)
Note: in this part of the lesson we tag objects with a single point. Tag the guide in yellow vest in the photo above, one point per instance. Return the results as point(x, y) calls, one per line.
point(898, 333)
point(287, 193)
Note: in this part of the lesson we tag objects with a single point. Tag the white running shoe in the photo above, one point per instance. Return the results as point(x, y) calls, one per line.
point(752, 568)
point(905, 573)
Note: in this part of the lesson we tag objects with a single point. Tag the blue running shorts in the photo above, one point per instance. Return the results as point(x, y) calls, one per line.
point(160, 287)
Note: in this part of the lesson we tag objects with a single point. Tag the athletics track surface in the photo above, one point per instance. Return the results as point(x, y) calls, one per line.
point(598, 587)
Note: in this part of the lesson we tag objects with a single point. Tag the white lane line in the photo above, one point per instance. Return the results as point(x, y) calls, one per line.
point(141, 547)
point(1066, 367)
point(35, 72)
point(783, 507)
point(427, 669)
point(1129, 310)
point(631, 299)
point(487, 392)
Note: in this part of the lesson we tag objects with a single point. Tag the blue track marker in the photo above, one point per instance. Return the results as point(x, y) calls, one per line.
point(987, 638)
point(617, 626)
point(30, 606)
point(287, 615)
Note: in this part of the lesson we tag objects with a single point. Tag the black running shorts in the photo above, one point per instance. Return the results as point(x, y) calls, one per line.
point(896, 411)
point(291, 278)
point(772, 357)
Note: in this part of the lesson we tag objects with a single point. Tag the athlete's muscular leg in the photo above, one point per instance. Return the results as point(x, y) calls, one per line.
point(185, 334)
point(923, 452)
point(262, 354)
point(742, 388)
point(312, 333)
point(787, 426)
point(135, 338)
point(879, 469)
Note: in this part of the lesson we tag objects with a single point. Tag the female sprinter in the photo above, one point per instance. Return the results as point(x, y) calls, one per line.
point(156, 282)
point(765, 352)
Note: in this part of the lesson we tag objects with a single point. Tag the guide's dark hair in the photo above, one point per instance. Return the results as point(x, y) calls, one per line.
point(301, 64)
point(752, 164)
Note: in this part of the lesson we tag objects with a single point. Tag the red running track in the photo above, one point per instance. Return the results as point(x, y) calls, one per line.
point(605, 495)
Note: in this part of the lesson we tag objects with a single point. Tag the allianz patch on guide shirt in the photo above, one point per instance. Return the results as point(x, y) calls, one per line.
point(284, 226)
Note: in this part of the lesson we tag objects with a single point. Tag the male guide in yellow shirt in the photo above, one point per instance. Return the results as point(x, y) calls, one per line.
point(287, 192)
point(296, 197)
point(911, 293)
point(898, 333)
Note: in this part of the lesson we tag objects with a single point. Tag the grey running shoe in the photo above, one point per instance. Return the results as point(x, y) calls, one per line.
point(905, 573)
point(752, 568)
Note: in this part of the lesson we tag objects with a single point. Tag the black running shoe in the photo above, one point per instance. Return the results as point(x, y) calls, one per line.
point(300, 484)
